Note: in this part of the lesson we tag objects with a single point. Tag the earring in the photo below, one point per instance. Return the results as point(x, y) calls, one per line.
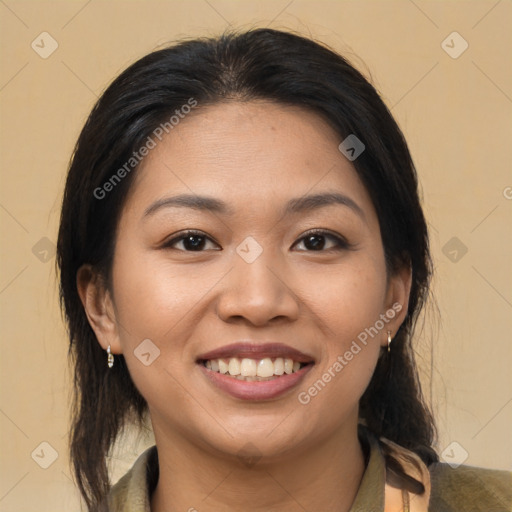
point(110, 358)
point(389, 341)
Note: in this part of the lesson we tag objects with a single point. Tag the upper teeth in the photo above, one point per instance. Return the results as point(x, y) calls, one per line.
point(253, 367)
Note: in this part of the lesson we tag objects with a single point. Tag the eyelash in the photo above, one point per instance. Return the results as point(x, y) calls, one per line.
point(340, 242)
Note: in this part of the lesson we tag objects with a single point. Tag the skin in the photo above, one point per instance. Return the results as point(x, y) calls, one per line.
point(254, 156)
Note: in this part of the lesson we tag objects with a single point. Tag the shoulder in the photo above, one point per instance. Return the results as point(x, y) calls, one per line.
point(469, 488)
point(132, 492)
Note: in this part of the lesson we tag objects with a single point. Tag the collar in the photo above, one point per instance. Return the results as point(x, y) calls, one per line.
point(133, 491)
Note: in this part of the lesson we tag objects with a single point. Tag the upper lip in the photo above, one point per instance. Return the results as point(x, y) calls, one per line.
point(256, 351)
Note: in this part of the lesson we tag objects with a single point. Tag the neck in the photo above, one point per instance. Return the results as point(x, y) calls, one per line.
point(324, 477)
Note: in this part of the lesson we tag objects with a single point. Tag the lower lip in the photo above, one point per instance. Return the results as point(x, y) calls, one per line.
point(263, 390)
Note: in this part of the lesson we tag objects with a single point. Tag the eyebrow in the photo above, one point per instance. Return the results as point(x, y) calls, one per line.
point(296, 205)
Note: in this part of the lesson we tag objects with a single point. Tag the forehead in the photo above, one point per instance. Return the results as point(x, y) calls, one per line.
point(254, 153)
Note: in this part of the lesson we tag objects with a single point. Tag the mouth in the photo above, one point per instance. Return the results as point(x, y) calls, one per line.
point(255, 372)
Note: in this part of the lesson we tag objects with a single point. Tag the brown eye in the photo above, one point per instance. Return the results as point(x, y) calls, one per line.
point(323, 240)
point(191, 241)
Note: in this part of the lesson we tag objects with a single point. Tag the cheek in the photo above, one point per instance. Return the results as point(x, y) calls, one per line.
point(152, 297)
point(347, 304)
point(347, 298)
point(348, 361)
point(154, 301)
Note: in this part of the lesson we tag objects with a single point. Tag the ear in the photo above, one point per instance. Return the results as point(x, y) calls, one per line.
point(99, 307)
point(397, 299)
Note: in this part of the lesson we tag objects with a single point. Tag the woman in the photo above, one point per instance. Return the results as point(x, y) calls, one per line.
point(243, 257)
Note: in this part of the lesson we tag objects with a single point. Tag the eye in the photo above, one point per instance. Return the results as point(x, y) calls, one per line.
point(315, 240)
point(190, 240)
point(321, 240)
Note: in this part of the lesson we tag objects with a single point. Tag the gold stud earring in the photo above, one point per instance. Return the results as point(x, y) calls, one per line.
point(389, 341)
point(110, 358)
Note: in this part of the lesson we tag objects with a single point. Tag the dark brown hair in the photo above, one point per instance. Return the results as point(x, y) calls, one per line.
point(257, 64)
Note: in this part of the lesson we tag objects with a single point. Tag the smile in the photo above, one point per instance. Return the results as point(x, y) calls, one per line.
point(254, 370)
point(250, 371)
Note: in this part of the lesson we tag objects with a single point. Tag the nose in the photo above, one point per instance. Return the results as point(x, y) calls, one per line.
point(258, 293)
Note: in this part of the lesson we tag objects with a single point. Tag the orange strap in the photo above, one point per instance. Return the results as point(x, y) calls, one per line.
point(399, 500)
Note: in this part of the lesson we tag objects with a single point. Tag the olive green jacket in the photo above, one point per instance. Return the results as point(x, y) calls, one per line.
point(448, 489)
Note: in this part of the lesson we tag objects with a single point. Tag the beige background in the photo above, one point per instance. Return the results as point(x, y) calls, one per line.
point(456, 115)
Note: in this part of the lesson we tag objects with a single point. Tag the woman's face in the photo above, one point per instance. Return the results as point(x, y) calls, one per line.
point(257, 177)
